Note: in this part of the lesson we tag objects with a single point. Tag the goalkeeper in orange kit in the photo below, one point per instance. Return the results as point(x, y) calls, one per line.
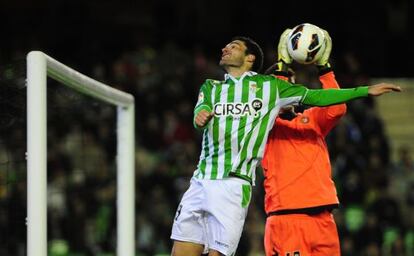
point(299, 191)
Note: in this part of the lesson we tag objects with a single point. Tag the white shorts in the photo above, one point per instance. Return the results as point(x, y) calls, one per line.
point(212, 213)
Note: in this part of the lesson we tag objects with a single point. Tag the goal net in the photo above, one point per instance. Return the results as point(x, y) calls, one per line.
point(12, 158)
point(78, 147)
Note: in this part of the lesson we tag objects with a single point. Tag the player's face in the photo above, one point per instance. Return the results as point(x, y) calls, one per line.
point(233, 54)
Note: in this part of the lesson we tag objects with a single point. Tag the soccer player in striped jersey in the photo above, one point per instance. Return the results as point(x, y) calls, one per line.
point(299, 191)
point(236, 115)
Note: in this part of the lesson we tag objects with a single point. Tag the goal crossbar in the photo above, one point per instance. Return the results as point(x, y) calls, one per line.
point(39, 67)
point(86, 85)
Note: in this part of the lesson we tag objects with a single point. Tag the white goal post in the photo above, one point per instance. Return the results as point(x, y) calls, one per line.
point(39, 67)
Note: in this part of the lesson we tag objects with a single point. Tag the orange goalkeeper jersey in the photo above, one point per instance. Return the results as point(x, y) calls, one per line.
point(296, 162)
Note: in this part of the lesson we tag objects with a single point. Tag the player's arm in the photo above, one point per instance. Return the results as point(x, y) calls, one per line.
point(299, 94)
point(328, 81)
point(203, 111)
point(327, 97)
point(294, 94)
point(333, 95)
point(327, 117)
point(280, 68)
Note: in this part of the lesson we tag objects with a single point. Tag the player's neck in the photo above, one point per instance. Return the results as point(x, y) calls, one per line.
point(236, 71)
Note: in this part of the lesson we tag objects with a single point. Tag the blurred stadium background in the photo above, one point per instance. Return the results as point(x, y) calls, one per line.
point(161, 52)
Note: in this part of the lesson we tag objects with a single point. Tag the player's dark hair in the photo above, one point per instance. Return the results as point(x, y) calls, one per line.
point(270, 70)
point(274, 70)
point(252, 48)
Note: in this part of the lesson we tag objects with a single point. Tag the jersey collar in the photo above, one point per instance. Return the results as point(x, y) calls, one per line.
point(235, 80)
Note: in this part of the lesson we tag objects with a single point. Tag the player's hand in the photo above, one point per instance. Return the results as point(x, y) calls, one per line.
point(379, 89)
point(282, 51)
point(324, 60)
point(203, 117)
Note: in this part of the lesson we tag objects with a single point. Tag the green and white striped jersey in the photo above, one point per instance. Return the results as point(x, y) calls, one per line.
point(244, 112)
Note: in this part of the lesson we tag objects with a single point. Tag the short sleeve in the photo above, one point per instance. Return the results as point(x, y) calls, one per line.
point(204, 98)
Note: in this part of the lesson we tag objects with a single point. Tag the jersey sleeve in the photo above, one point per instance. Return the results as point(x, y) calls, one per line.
point(328, 81)
point(204, 100)
point(328, 117)
point(327, 97)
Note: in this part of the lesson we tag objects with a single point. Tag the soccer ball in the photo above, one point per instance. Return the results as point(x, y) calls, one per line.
point(306, 43)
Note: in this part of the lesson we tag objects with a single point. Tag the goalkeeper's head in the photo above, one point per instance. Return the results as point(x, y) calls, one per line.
point(254, 49)
point(274, 70)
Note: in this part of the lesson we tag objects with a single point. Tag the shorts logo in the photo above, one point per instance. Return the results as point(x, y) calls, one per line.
point(238, 109)
point(222, 244)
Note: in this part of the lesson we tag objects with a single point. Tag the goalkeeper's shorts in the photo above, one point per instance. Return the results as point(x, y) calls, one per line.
point(302, 235)
point(212, 213)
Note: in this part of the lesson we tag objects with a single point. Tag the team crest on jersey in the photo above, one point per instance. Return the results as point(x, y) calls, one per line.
point(254, 88)
point(304, 119)
point(239, 109)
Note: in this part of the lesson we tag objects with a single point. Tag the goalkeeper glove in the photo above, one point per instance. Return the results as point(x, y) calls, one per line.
point(282, 51)
point(281, 67)
point(323, 62)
